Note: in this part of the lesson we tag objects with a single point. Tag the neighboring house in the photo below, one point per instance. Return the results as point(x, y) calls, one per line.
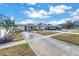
point(41, 26)
point(30, 27)
point(33, 27)
point(49, 27)
point(20, 27)
point(76, 24)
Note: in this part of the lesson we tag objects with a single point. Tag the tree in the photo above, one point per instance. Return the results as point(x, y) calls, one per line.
point(7, 24)
point(69, 25)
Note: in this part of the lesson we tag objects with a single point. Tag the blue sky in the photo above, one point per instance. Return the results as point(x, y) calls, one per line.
point(52, 13)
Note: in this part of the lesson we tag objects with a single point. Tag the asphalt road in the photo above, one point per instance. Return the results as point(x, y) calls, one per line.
point(49, 46)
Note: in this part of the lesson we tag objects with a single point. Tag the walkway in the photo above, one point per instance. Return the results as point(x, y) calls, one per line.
point(10, 44)
point(50, 46)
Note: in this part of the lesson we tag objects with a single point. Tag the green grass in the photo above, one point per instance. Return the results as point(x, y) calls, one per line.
point(73, 38)
point(15, 36)
point(18, 36)
point(46, 32)
point(76, 31)
point(18, 50)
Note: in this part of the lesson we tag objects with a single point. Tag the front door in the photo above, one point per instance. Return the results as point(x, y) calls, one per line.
point(25, 28)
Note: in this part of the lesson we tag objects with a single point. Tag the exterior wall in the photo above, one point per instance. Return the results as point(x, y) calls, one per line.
point(40, 28)
point(30, 27)
point(50, 27)
point(21, 27)
point(76, 25)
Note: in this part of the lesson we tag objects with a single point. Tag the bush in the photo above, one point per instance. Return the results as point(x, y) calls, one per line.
point(17, 31)
point(7, 38)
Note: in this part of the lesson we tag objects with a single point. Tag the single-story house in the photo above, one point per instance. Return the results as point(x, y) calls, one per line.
point(76, 24)
point(21, 27)
point(33, 27)
point(30, 27)
point(41, 26)
point(49, 27)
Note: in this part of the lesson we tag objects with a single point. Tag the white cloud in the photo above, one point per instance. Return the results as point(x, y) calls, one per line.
point(32, 13)
point(70, 12)
point(75, 18)
point(61, 21)
point(53, 22)
point(76, 13)
point(27, 21)
point(60, 9)
point(57, 22)
point(12, 17)
point(43, 14)
point(31, 8)
point(31, 3)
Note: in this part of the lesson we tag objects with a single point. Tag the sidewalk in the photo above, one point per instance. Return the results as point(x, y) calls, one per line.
point(10, 44)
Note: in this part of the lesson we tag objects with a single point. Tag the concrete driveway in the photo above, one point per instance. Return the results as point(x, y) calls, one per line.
point(49, 46)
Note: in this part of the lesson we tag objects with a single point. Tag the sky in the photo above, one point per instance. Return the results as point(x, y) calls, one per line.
point(49, 13)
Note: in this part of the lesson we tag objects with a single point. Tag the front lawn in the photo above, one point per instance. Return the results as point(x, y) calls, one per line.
point(76, 31)
point(73, 38)
point(18, 50)
point(14, 36)
point(18, 36)
point(46, 32)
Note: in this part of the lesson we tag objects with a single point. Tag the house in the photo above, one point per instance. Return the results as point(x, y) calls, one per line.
point(41, 26)
point(33, 26)
point(76, 24)
point(21, 27)
point(30, 27)
point(49, 27)
point(38, 26)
